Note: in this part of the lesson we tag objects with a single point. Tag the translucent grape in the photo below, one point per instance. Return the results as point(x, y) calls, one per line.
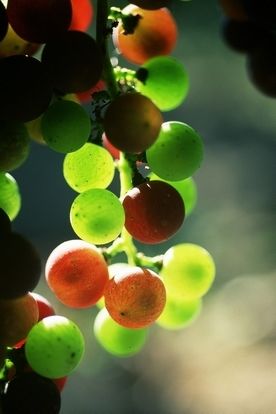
point(10, 198)
point(82, 14)
point(186, 188)
point(47, 20)
point(44, 306)
point(160, 75)
point(135, 297)
point(116, 339)
point(188, 271)
point(179, 313)
point(54, 347)
point(177, 153)
point(14, 145)
point(77, 273)
point(97, 216)
point(65, 126)
point(89, 167)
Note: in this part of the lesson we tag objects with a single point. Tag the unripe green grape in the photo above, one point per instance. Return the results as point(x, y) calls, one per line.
point(116, 339)
point(164, 80)
point(65, 126)
point(188, 271)
point(97, 216)
point(10, 198)
point(177, 153)
point(186, 188)
point(89, 167)
point(179, 313)
point(54, 347)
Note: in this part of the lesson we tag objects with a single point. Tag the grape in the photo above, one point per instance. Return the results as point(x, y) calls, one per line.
point(65, 126)
point(262, 12)
point(160, 75)
point(179, 313)
point(132, 122)
point(116, 339)
point(25, 89)
point(10, 199)
point(3, 21)
point(151, 4)
point(44, 306)
point(5, 224)
point(154, 35)
point(188, 271)
point(47, 20)
point(20, 266)
point(77, 273)
point(14, 145)
point(12, 44)
point(234, 9)
point(86, 96)
point(135, 297)
point(154, 211)
point(82, 14)
point(60, 382)
point(97, 216)
point(90, 167)
point(18, 316)
point(54, 347)
point(111, 149)
point(73, 61)
point(187, 190)
point(31, 393)
point(177, 153)
point(2, 360)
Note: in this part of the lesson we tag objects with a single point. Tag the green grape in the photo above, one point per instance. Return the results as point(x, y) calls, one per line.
point(97, 216)
point(177, 153)
point(188, 271)
point(164, 80)
point(54, 347)
point(186, 188)
point(65, 126)
point(14, 145)
point(10, 198)
point(89, 167)
point(116, 339)
point(179, 313)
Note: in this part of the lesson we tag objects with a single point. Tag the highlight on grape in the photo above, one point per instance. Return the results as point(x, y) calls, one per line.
point(123, 134)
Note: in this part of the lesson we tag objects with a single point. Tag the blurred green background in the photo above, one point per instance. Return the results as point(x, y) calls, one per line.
point(225, 363)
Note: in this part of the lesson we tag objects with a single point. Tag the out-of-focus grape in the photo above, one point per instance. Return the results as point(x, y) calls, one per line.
point(89, 167)
point(234, 9)
point(10, 198)
point(97, 216)
point(54, 347)
point(82, 14)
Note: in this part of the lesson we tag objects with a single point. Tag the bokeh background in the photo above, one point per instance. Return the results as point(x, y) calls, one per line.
point(225, 363)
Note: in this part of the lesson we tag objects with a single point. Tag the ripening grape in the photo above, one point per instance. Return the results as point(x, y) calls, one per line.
point(154, 35)
point(31, 393)
point(177, 153)
point(110, 148)
point(154, 211)
point(151, 4)
point(135, 297)
point(77, 273)
point(132, 122)
point(188, 271)
point(65, 126)
point(74, 62)
point(10, 198)
point(39, 24)
point(54, 347)
point(179, 313)
point(20, 266)
point(12, 44)
point(5, 224)
point(116, 339)
point(3, 21)
point(44, 306)
point(97, 216)
point(14, 145)
point(91, 166)
point(86, 96)
point(164, 80)
point(18, 316)
point(186, 188)
point(25, 88)
point(234, 9)
point(82, 14)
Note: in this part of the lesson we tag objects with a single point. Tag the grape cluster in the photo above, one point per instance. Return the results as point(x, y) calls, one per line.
point(124, 131)
point(249, 27)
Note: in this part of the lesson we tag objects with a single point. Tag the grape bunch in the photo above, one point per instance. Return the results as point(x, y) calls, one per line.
point(124, 131)
point(249, 27)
